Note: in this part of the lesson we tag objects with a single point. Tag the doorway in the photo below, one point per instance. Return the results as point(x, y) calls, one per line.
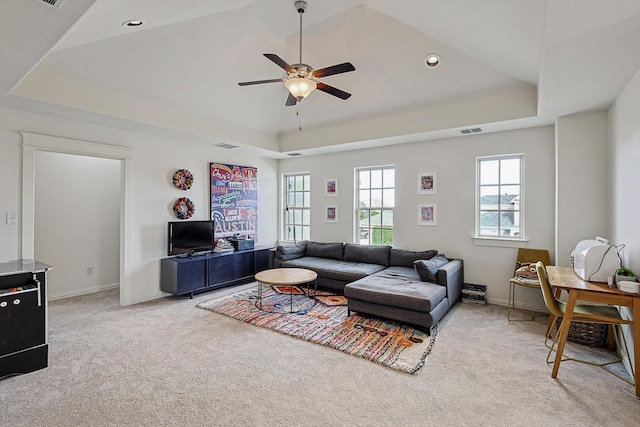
point(77, 222)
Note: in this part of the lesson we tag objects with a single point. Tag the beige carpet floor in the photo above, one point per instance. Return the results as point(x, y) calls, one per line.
point(168, 363)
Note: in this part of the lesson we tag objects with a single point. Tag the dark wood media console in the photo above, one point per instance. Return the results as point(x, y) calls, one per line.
point(201, 273)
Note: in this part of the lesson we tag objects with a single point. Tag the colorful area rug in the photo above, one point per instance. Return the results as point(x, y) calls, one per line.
point(390, 344)
point(332, 299)
point(288, 290)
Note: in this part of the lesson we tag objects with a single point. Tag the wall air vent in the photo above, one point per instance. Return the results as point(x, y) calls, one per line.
point(54, 3)
point(225, 145)
point(472, 130)
point(294, 154)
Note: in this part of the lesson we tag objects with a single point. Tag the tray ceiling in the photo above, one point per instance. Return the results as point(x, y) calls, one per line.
point(504, 64)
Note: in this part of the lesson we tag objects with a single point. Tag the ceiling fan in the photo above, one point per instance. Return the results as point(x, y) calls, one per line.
point(302, 79)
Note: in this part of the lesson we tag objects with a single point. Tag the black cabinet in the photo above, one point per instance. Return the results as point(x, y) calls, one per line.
point(188, 275)
point(23, 317)
point(182, 275)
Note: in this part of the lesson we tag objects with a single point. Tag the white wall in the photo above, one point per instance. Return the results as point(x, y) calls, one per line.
point(454, 161)
point(624, 121)
point(9, 193)
point(154, 162)
point(80, 226)
point(582, 159)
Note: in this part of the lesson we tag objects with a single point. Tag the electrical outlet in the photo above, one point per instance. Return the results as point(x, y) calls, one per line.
point(90, 271)
point(12, 218)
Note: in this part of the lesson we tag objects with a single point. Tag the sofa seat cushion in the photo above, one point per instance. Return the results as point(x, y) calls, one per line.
point(334, 269)
point(396, 290)
point(402, 272)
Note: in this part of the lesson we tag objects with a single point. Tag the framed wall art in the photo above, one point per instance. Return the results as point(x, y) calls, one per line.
point(428, 214)
point(234, 200)
point(427, 183)
point(331, 214)
point(331, 187)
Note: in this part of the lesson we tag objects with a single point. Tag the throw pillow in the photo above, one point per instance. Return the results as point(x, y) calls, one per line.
point(428, 269)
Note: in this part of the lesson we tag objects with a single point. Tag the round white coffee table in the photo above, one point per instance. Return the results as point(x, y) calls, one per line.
point(286, 277)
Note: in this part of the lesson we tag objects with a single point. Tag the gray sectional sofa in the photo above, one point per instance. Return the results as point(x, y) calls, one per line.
point(417, 288)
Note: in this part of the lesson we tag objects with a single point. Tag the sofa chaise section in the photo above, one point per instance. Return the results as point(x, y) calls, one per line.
point(381, 280)
point(398, 293)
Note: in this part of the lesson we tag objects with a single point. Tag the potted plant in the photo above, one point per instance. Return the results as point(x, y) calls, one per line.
point(625, 274)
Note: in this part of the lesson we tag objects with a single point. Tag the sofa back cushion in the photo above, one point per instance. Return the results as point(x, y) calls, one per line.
point(366, 254)
point(290, 251)
point(325, 250)
point(428, 269)
point(404, 258)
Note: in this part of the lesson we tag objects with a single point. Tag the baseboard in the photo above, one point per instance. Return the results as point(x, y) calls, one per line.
point(151, 297)
point(531, 307)
point(83, 291)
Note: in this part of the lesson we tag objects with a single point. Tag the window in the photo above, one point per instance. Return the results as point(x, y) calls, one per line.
point(297, 207)
point(375, 202)
point(500, 197)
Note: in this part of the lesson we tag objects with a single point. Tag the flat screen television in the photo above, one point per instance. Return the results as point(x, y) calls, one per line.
point(189, 237)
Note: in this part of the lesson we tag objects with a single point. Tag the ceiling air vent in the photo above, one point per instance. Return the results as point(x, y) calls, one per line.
point(472, 130)
point(55, 3)
point(294, 154)
point(225, 145)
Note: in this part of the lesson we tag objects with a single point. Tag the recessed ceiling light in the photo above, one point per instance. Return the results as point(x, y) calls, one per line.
point(432, 60)
point(132, 23)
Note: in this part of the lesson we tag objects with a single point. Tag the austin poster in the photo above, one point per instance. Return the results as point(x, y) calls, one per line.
point(234, 200)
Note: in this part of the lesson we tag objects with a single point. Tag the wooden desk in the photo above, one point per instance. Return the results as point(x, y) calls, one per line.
point(565, 278)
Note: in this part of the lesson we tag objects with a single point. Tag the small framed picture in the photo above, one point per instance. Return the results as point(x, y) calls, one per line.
point(427, 183)
point(331, 187)
point(428, 214)
point(331, 214)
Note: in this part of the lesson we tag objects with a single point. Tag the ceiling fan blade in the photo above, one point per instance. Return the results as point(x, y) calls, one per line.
point(291, 100)
point(259, 82)
point(334, 69)
point(333, 91)
point(280, 62)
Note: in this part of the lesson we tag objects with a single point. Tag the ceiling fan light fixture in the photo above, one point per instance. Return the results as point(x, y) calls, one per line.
point(300, 88)
point(301, 78)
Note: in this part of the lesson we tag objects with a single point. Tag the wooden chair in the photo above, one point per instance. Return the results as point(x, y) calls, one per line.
point(585, 313)
point(525, 256)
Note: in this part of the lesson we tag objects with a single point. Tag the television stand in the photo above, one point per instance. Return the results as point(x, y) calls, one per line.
point(189, 275)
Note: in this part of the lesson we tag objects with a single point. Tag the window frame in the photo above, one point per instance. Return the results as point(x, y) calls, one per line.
point(521, 236)
point(357, 228)
point(288, 210)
